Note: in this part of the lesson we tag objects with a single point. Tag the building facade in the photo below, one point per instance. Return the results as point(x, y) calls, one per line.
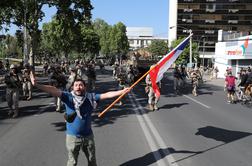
point(141, 37)
point(234, 54)
point(205, 18)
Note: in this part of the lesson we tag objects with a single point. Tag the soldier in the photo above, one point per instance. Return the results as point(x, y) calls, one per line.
point(91, 76)
point(177, 79)
point(195, 76)
point(45, 67)
point(59, 81)
point(27, 86)
point(13, 81)
point(71, 78)
point(115, 70)
point(152, 98)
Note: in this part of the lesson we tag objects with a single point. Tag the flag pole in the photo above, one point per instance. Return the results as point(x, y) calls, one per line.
point(112, 104)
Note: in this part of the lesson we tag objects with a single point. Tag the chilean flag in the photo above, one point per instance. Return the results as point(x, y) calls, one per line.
point(157, 72)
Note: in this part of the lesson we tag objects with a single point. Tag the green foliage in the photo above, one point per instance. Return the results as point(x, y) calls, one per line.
point(103, 30)
point(185, 55)
point(90, 42)
point(158, 48)
point(9, 48)
point(119, 44)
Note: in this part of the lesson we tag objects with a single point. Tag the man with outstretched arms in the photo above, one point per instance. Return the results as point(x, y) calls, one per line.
point(79, 107)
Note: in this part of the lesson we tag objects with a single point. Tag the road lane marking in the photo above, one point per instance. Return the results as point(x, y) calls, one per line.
point(196, 101)
point(154, 139)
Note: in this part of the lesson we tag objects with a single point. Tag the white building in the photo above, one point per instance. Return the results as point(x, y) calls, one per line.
point(140, 37)
point(234, 54)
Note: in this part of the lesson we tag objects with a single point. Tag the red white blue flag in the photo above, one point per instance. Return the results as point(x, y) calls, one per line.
point(156, 73)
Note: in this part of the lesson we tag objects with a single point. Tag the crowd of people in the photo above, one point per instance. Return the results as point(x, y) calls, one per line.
point(66, 83)
point(61, 75)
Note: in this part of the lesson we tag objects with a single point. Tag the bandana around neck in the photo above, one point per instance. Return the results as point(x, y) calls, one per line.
point(78, 101)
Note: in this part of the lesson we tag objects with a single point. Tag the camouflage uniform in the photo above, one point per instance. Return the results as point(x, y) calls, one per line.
point(195, 76)
point(152, 98)
point(58, 80)
point(91, 77)
point(27, 86)
point(13, 84)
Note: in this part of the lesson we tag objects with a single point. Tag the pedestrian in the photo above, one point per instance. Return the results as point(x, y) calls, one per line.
point(216, 71)
point(27, 86)
point(152, 97)
point(177, 79)
point(195, 77)
point(59, 80)
point(79, 107)
point(230, 86)
point(13, 81)
point(91, 74)
point(71, 78)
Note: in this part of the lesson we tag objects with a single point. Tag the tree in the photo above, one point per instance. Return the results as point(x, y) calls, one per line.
point(90, 42)
point(184, 57)
point(119, 44)
point(158, 48)
point(10, 48)
point(28, 13)
point(103, 31)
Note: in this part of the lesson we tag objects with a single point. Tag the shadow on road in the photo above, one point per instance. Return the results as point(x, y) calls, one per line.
point(25, 111)
point(61, 126)
point(170, 106)
point(149, 158)
point(218, 134)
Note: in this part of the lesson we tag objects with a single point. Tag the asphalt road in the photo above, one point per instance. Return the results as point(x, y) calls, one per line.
point(185, 131)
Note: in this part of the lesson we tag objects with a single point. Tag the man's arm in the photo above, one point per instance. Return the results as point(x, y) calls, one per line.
point(47, 88)
point(112, 94)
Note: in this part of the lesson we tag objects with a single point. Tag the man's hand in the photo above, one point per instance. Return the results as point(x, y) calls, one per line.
point(126, 90)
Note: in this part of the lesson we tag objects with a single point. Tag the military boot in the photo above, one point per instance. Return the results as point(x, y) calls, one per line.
point(155, 107)
point(15, 115)
point(10, 112)
point(151, 108)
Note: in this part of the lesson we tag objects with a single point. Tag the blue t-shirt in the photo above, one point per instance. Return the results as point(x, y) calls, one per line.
point(79, 127)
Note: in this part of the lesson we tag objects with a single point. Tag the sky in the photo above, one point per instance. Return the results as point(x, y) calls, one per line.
point(132, 13)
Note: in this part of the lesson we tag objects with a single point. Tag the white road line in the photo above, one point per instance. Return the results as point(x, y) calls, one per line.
point(196, 101)
point(153, 137)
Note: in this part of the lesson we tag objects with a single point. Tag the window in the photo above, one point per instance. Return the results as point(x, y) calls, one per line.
point(188, 10)
point(233, 10)
point(209, 31)
point(210, 21)
point(233, 21)
point(210, 8)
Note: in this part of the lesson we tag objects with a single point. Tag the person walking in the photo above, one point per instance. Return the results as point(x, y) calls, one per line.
point(230, 86)
point(91, 74)
point(27, 86)
point(79, 107)
point(152, 97)
point(13, 81)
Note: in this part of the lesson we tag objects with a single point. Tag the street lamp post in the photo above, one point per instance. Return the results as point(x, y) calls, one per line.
point(190, 33)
